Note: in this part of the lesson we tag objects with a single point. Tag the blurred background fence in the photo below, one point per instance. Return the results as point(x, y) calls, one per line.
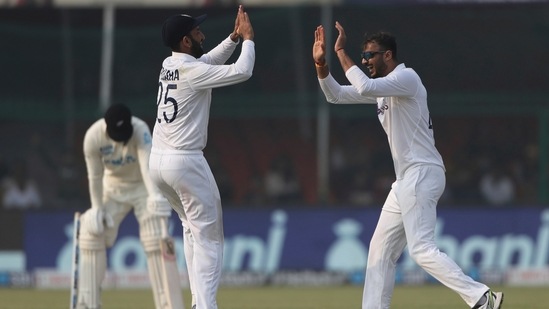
point(273, 140)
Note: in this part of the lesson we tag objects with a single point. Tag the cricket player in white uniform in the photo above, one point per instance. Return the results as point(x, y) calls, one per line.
point(177, 163)
point(116, 150)
point(408, 216)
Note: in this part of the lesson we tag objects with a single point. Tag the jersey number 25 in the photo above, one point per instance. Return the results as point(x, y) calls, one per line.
point(163, 96)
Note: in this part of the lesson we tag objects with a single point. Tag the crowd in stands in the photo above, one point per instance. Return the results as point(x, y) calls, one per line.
point(489, 162)
point(272, 162)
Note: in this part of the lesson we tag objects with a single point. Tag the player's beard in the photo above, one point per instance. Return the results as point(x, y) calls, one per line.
point(380, 69)
point(196, 48)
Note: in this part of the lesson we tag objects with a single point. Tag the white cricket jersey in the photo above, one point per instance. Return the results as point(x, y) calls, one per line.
point(120, 165)
point(185, 90)
point(402, 110)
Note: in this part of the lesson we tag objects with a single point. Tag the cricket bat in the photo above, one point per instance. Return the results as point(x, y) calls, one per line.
point(75, 260)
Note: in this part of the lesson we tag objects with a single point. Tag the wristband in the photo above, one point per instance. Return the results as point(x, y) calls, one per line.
point(320, 65)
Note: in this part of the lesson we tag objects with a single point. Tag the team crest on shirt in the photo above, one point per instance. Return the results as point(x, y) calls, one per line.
point(106, 150)
point(147, 138)
point(120, 161)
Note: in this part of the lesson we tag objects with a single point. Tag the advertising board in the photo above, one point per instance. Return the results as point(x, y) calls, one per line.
point(267, 241)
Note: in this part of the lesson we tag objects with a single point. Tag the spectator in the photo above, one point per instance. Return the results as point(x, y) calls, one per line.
point(20, 191)
point(497, 188)
point(281, 184)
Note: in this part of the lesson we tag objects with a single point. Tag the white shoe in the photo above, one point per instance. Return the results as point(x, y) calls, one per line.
point(494, 300)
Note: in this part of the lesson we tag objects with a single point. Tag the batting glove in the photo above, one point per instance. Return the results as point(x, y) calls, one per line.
point(96, 219)
point(159, 206)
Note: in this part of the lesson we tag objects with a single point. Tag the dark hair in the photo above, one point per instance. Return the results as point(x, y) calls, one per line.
point(384, 39)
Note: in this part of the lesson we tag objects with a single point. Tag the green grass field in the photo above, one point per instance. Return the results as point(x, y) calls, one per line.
point(405, 297)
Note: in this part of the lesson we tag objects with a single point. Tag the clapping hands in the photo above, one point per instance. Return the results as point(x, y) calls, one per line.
point(242, 26)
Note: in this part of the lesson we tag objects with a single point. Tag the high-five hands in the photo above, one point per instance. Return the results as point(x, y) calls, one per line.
point(319, 50)
point(341, 38)
point(234, 35)
point(242, 26)
point(319, 46)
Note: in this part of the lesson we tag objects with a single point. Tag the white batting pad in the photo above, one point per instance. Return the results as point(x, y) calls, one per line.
point(93, 265)
point(162, 268)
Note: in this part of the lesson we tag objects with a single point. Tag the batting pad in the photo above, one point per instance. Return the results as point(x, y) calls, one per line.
point(162, 267)
point(93, 266)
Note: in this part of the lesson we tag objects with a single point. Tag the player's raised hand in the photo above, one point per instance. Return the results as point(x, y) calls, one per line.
point(319, 46)
point(341, 38)
point(245, 29)
point(234, 35)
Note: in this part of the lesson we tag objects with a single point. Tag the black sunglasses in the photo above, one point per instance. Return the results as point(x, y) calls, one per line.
point(371, 54)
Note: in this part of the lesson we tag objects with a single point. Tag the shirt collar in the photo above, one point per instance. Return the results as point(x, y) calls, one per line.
point(183, 56)
point(399, 67)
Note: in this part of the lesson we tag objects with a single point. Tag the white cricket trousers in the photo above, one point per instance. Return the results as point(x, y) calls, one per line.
point(409, 217)
point(186, 180)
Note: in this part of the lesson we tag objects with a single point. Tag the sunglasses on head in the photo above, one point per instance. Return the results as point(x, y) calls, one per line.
point(370, 54)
